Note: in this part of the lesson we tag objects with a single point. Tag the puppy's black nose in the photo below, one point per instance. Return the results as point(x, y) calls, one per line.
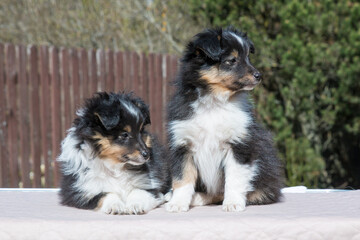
point(145, 154)
point(257, 76)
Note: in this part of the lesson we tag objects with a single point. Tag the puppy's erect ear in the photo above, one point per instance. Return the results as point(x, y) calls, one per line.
point(209, 43)
point(108, 119)
point(144, 109)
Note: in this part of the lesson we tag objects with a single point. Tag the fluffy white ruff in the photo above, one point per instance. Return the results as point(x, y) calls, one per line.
point(217, 121)
point(97, 176)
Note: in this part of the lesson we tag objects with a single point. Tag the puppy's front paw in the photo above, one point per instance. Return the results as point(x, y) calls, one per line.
point(112, 204)
point(140, 202)
point(233, 206)
point(176, 207)
point(136, 208)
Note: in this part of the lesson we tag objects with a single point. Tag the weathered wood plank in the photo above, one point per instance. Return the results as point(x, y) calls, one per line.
point(35, 132)
point(12, 118)
point(45, 114)
point(93, 73)
point(135, 73)
point(84, 73)
point(75, 82)
point(55, 113)
point(65, 89)
point(4, 154)
point(110, 82)
point(127, 72)
point(151, 89)
point(101, 69)
point(158, 96)
point(24, 127)
point(119, 72)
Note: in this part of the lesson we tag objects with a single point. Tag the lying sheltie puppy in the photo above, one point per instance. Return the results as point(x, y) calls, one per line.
point(109, 162)
point(218, 152)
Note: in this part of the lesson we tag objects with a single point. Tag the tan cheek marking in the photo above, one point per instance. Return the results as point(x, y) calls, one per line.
point(108, 150)
point(219, 82)
point(134, 155)
point(189, 174)
point(211, 75)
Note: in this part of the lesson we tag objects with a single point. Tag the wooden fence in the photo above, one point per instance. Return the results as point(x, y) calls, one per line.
point(41, 88)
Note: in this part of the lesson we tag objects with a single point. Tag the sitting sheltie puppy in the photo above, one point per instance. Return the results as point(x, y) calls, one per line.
point(217, 150)
point(109, 162)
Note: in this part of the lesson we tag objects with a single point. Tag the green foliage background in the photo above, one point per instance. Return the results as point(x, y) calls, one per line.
point(309, 54)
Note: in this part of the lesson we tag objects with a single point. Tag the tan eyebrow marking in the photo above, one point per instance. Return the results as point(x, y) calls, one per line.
point(127, 128)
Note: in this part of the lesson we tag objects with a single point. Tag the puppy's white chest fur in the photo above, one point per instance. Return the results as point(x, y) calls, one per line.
point(216, 123)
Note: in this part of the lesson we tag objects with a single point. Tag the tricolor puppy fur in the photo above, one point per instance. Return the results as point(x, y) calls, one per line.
point(218, 152)
point(109, 162)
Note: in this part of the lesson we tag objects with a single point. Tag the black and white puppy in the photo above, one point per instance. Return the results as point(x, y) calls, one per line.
point(217, 150)
point(109, 162)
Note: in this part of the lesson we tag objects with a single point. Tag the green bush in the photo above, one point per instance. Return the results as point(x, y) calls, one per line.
point(308, 52)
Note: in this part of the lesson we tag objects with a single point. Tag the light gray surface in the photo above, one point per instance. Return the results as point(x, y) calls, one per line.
point(38, 215)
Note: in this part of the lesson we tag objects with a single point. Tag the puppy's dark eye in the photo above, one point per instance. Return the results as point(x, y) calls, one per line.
point(230, 61)
point(124, 136)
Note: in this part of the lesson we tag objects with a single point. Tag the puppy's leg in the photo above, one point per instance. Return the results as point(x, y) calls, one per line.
point(184, 188)
point(111, 203)
point(202, 199)
point(140, 202)
point(237, 183)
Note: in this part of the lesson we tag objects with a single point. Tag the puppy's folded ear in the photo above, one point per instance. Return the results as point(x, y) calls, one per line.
point(209, 43)
point(108, 119)
point(144, 109)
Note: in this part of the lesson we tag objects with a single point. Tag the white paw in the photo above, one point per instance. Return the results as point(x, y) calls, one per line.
point(112, 204)
point(176, 207)
point(140, 202)
point(137, 208)
point(233, 207)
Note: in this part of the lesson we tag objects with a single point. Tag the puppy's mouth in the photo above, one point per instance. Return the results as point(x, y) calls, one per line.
point(246, 84)
point(134, 160)
point(250, 86)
